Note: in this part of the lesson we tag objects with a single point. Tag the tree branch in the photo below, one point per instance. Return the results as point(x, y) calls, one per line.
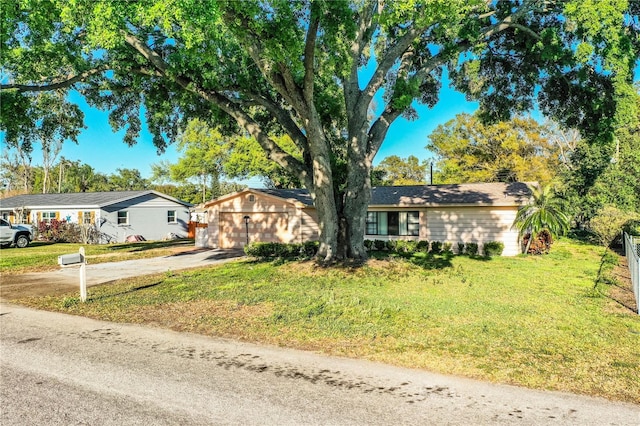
point(273, 151)
point(378, 131)
point(284, 118)
point(63, 84)
point(309, 56)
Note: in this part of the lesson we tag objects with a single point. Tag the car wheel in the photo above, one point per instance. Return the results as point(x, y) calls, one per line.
point(22, 241)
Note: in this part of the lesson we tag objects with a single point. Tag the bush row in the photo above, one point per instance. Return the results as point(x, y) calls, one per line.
point(309, 249)
point(282, 250)
point(489, 249)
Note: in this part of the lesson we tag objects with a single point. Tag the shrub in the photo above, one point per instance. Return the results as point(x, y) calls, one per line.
point(632, 227)
point(446, 247)
point(391, 245)
point(423, 246)
point(460, 248)
point(493, 248)
point(368, 245)
point(471, 249)
point(264, 250)
point(309, 249)
point(411, 246)
point(436, 247)
point(58, 231)
point(401, 246)
point(379, 245)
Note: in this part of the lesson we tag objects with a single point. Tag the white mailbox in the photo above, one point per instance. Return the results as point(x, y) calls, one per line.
point(70, 259)
point(77, 259)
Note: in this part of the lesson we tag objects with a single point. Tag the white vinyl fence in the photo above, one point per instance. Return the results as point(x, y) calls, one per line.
point(632, 252)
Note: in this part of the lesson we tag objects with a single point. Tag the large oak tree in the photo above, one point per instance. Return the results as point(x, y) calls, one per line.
point(269, 67)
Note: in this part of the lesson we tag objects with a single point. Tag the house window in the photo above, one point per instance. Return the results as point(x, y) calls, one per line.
point(393, 223)
point(413, 223)
point(47, 217)
point(171, 216)
point(123, 217)
point(86, 218)
point(252, 198)
point(372, 223)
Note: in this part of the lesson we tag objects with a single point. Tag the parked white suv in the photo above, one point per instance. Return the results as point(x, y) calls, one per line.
point(10, 234)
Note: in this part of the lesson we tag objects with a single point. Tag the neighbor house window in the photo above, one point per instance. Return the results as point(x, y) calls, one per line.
point(123, 217)
point(393, 223)
point(171, 216)
point(48, 216)
point(86, 218)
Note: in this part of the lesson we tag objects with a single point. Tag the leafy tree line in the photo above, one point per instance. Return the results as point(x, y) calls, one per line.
point(585, 176)
point(75, 176)
point(271, 68)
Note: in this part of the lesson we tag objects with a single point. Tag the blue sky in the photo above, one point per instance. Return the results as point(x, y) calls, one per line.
point(104, 150)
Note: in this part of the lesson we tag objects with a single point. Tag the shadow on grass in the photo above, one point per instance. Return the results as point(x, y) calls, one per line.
point(427, 261)
point(122, 293)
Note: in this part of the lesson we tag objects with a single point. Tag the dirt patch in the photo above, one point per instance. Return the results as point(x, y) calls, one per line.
point(621, 293)
point(14, 287)
point(189, 315)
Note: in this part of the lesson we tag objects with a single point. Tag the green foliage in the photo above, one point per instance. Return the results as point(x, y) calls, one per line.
point(436, 247)
point(545, 212)
point(471, 249)
point(284, 251)
point(609, 222)
point(391, 245)
point(394, 170)
point(605, 174)
point(247, 159)
point(518, 150)
point(269, 68)
point(632, 227)
point(423, 246)
point(379, 245)
point(537, 315)
point(492, 248)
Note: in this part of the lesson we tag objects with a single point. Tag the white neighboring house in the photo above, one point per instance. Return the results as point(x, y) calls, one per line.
point(117, 214)
point(476, 212)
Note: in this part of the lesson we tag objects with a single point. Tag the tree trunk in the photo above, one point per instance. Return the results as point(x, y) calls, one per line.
point(327, 223)
point(356, 203)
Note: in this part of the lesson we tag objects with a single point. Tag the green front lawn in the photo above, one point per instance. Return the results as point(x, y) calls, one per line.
point(41, 256)
point(531, 321)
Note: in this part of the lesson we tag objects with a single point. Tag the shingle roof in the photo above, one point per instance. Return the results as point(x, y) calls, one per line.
point(495, 194)
point(301, 195)
point(77, 199)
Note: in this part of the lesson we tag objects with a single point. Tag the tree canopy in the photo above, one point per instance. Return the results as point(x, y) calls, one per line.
point(394, 170)
point(518, 150)
point(264, 68)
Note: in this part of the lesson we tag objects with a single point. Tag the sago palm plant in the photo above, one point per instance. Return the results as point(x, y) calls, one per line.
point(544, 212)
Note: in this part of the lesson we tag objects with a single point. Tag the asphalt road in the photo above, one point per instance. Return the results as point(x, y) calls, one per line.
point(59, 369)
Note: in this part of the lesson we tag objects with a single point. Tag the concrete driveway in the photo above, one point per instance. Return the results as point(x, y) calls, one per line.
point(67, 279)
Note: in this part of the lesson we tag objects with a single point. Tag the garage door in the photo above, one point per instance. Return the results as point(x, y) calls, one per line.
point(267, 227)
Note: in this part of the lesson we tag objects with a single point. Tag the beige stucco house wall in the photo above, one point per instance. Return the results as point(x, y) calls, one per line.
point(448, 213)
point(269, 218)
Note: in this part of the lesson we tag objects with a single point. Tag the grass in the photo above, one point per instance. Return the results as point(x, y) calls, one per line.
point(531, 321)
point(42, 256)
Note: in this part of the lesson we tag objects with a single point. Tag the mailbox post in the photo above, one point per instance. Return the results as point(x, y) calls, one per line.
point(75, 259)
